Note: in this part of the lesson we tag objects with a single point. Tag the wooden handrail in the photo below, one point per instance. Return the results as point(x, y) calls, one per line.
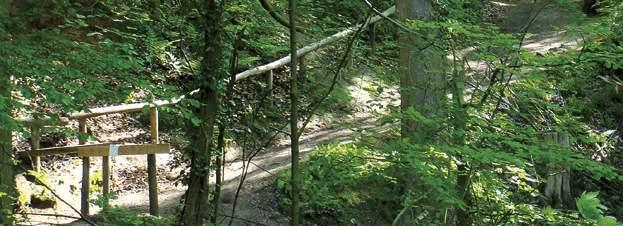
point(311, 47)
point(94, 112)
point(102, 149)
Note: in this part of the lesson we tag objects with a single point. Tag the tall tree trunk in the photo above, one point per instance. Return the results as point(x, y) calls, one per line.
point(294, 116)
point(197, 206)
point(421, 86)
point(460, 118)
point(7, 182)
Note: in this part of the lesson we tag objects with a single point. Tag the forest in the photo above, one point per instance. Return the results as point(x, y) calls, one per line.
point(311, 112)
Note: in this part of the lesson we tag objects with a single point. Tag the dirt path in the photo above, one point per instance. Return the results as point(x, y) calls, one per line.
point(547, 31)
point(257, 201)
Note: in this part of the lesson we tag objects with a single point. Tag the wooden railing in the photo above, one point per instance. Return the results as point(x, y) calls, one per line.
point(87, 151)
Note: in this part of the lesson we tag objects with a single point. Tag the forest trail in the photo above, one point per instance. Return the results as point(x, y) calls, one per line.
point(258, 199)
point(257, 203)
point(547, 30)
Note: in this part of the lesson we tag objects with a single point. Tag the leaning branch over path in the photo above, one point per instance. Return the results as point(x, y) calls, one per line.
point(312, 47)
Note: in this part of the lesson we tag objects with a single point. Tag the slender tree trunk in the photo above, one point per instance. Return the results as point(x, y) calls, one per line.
point(7, 182)
point(294, 134)
point(460, 125)
point(198, 206)
point(220, 147)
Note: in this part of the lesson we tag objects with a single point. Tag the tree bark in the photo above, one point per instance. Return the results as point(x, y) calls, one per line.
point(198, 201)
point(460, 120)
point(294, 134)
point(588, 7)
point(421, 87)
point(7, 181)
point(558, 187)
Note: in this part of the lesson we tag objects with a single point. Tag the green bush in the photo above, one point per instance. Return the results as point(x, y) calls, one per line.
point(120, 216)
point(337, 178)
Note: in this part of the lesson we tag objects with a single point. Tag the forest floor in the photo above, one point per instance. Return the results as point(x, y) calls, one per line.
point(257, 203)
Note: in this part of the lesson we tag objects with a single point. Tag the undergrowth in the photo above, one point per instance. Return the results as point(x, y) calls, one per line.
point(120, 216)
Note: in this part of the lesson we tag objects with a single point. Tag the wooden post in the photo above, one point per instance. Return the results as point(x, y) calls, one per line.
point(372, 37)
point(269, 87)
point(151, 165)
point(105, 175)
point(302, 69)
point(35, 143)
point(558, 188)
point(269, 83)
point(86, 169)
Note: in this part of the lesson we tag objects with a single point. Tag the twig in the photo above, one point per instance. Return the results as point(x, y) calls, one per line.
point(52, 215)
point(336, 76)
point(266, 5)
point(265, 170)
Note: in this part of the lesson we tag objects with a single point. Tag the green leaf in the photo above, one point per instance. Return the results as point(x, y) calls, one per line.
point(588, 205)
point(607, 221)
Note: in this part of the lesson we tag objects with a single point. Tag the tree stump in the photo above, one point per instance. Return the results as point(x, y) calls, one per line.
point(557, 188)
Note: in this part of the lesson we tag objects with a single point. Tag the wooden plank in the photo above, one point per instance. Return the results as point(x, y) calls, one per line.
point(128, 149)
point(151, 165)
point(62, 150)
point(86, 171)
point(47, 121)
point(103, 149)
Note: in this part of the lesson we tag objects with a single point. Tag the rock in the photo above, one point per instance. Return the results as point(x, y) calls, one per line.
point(42, 200)
point(32, 194)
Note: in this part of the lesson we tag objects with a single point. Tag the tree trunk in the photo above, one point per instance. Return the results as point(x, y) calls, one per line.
point(558, 189)
point(294, 134)
point(198, 206)
point(588, 7)
point(421, 87)
point(460, 119)
point(7, 182)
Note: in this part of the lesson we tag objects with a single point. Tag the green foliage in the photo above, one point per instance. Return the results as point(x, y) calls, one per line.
point(120, 216)
point(338, 178)
point(589, 206)
point(95, 180)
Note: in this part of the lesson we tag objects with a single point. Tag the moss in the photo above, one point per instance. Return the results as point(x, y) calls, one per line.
point(96, 179)
point(23, 197)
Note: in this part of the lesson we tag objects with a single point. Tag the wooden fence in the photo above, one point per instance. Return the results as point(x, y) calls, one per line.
point(105, 151)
